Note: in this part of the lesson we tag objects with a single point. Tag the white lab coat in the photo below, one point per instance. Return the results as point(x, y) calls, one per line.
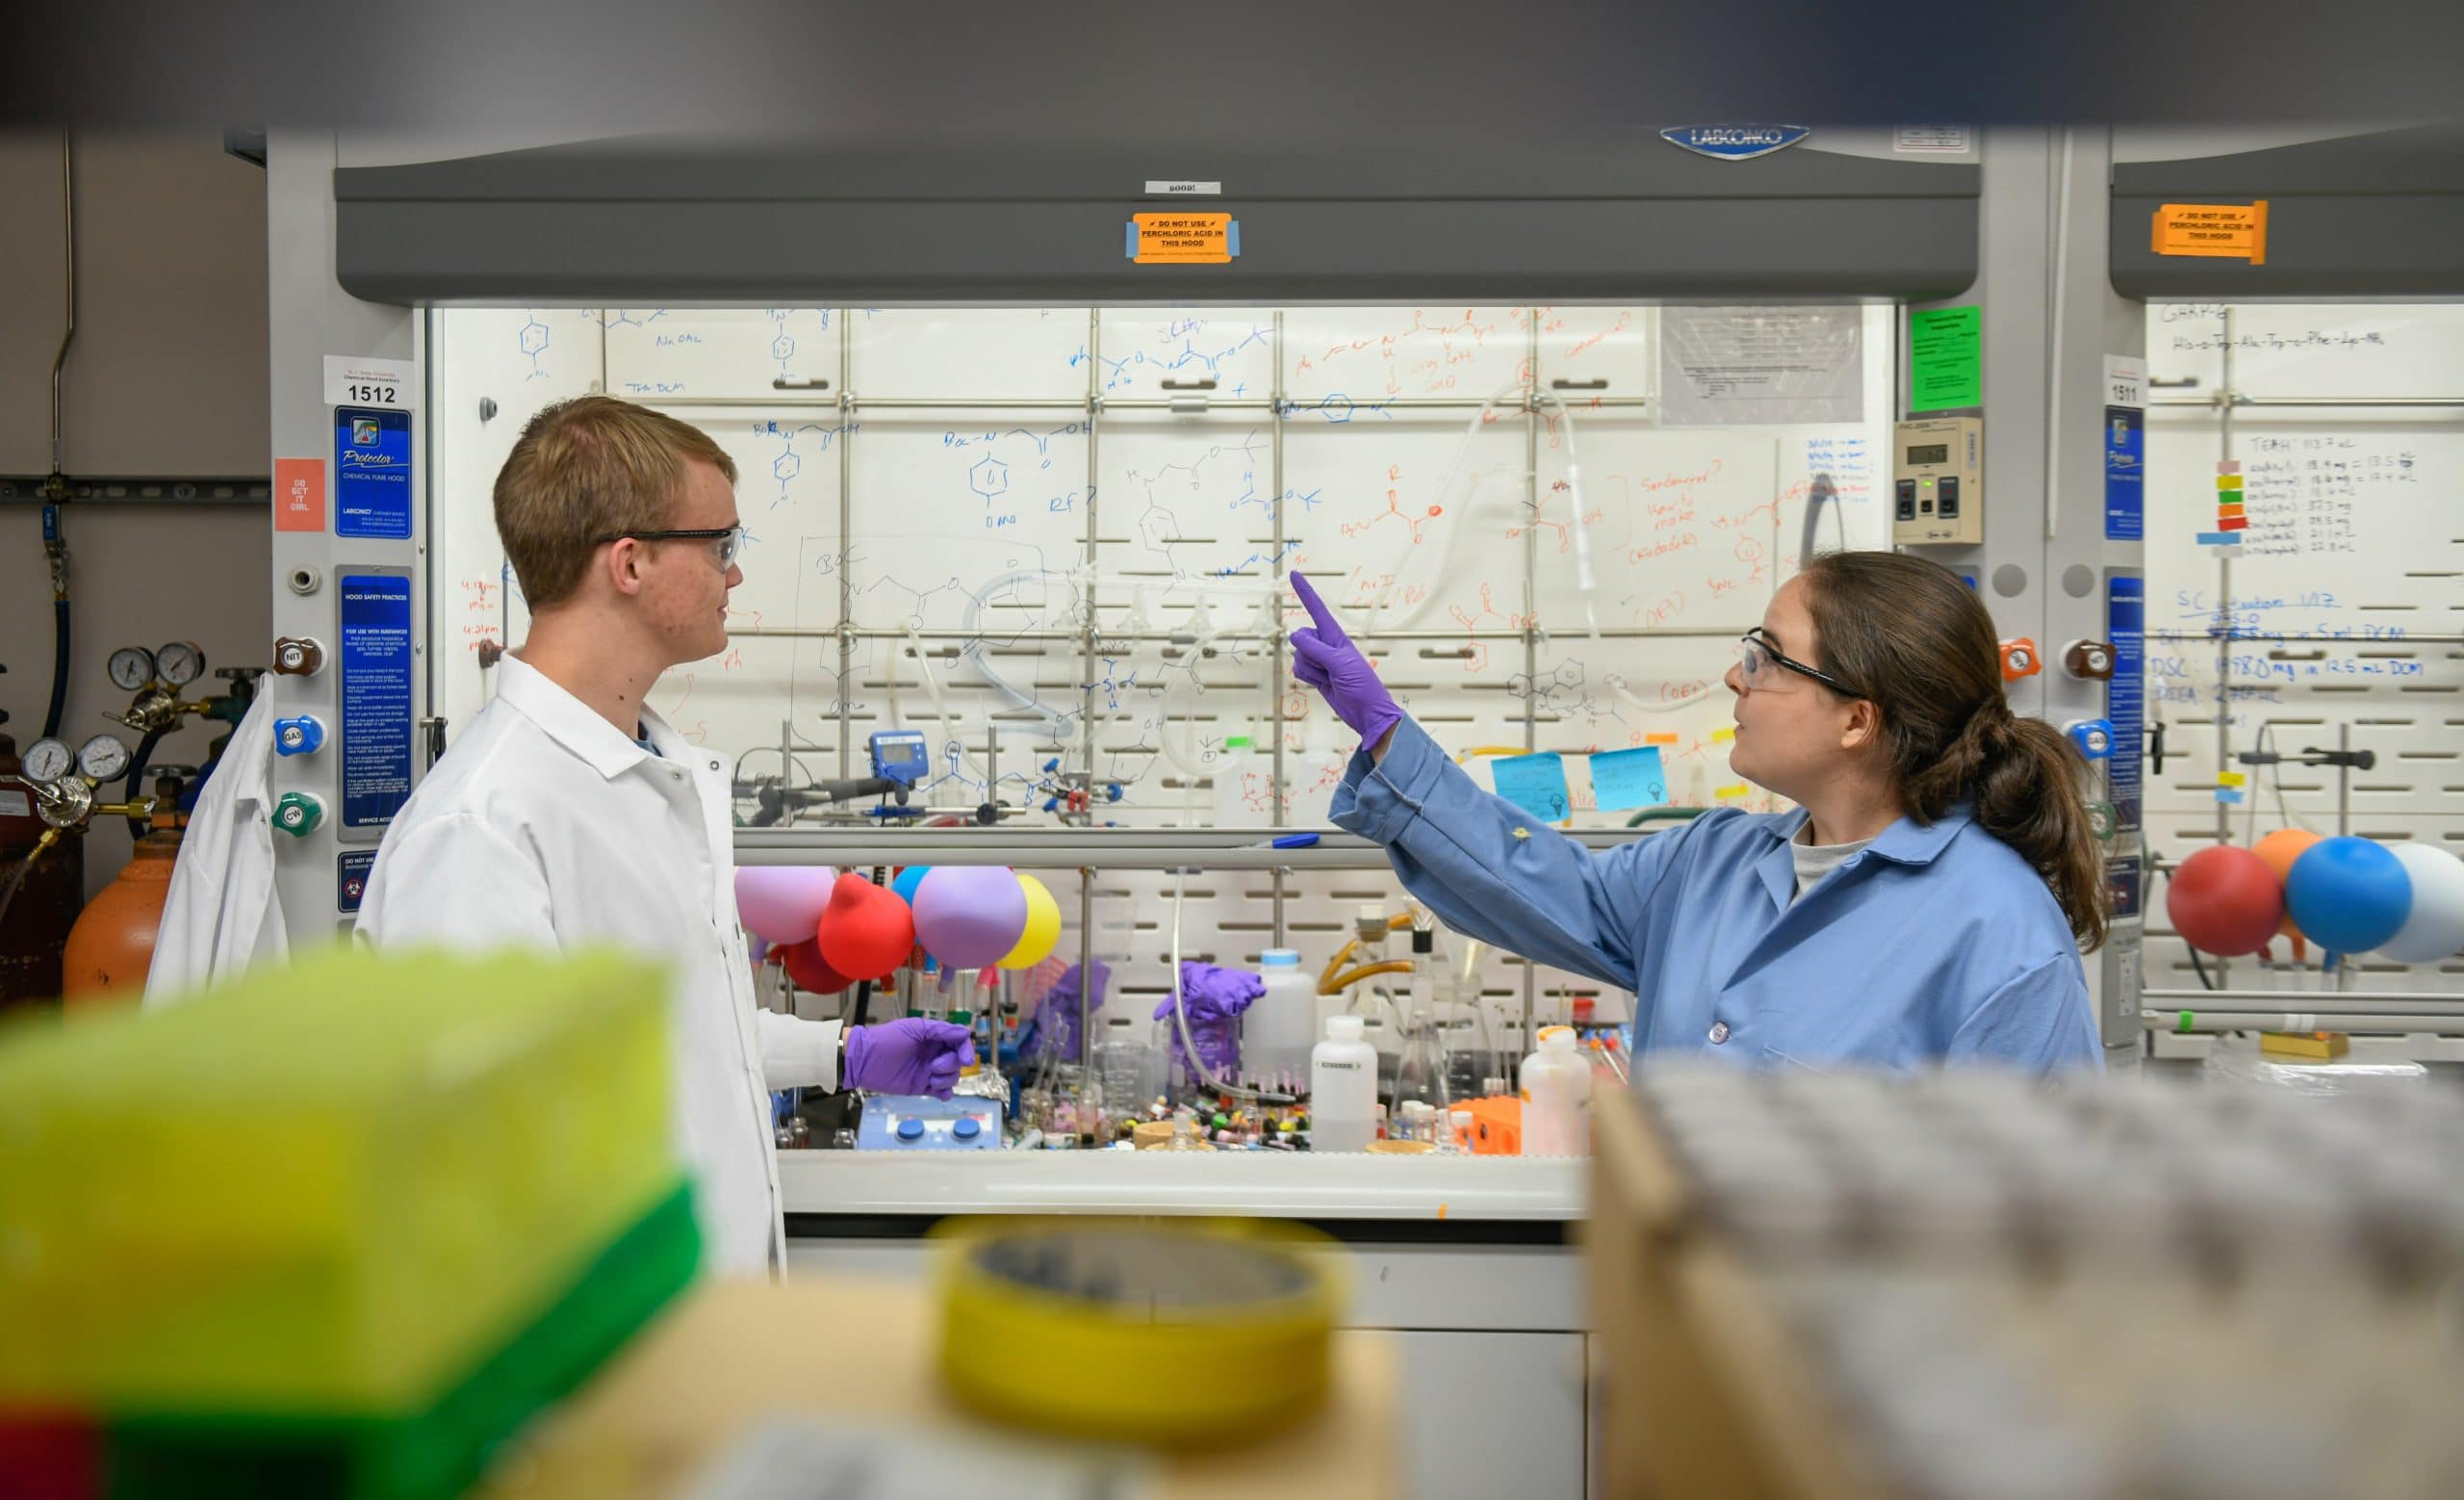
point(221, 916)
point(545, 826)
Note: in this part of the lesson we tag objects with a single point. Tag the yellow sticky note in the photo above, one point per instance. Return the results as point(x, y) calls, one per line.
point(1723, 735)
point(1737, 791)
point(2231, 779)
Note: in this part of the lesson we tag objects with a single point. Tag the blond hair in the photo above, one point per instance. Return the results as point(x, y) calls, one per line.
point(588, 468)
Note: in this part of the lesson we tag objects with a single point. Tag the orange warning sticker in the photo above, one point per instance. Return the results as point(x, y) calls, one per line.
point(2236, 230)
point(299, 493)
point(1183, 238)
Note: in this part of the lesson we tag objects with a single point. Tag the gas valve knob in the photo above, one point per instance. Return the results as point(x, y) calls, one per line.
point(298, 656)
point(301, 735)
point(2020, 659)
point(2090, 660)
point(298, 813)
point(2094, 738)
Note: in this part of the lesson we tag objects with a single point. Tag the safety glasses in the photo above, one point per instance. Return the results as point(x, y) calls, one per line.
point(731, 540)
point(1761, 664)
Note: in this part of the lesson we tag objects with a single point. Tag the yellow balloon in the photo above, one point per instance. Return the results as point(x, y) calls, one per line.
point(1044, 927)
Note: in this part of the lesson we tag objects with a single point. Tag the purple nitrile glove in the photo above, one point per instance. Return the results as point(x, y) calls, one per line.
point(1057, 1013)
point(911, 1056)
point(1214, 998)
point(1327, 659)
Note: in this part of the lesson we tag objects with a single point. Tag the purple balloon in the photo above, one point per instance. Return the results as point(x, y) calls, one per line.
point(783, 903)
point(968, 915)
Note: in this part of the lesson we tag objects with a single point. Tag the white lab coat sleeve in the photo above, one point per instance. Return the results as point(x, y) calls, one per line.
point(455, 881)
point(797, 1054)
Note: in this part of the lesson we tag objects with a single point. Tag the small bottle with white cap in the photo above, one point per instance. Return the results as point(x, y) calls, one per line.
point(1343, 1089)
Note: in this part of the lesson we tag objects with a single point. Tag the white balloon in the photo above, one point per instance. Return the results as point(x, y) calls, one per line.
point(2436, 927)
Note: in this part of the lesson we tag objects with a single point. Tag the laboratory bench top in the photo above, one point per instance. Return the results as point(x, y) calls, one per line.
point(1272, 1184)
point(856, 1355)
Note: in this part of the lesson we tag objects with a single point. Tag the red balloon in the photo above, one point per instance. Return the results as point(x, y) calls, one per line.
point(866, 931)
point(2225, 900)
point(810, 970)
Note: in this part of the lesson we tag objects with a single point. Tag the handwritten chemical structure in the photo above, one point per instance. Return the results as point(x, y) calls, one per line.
point(1002, 542)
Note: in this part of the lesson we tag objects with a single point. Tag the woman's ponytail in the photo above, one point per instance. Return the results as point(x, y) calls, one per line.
point(2028, 795)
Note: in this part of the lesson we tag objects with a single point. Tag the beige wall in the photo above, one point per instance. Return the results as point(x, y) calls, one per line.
point(167, 378)
point(168, 373)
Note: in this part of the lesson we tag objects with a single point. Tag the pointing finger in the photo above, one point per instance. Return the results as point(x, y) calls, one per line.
point(1328, 626)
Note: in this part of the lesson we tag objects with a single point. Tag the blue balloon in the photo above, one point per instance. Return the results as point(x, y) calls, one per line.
point(907, 880)
point(2349, 895)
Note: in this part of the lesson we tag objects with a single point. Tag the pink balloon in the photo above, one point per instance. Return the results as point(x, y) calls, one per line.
point(781, 904)
point(968, 915)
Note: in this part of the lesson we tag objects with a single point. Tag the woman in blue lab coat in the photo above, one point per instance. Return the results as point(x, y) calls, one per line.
point(1927, 902)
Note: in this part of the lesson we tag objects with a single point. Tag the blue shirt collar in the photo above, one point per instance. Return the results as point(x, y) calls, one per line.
point(1906, 841)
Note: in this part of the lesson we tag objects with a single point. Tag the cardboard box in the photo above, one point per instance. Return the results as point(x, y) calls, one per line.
point(1702, 1389)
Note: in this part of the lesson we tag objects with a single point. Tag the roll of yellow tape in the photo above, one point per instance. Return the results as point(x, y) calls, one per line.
point(1090, 1327)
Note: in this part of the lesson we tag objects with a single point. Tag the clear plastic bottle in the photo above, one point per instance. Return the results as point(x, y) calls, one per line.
point(1343, 1089)
point(1556, 1097)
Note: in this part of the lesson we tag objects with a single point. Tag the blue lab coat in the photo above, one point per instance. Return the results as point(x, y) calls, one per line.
point(1931, 944)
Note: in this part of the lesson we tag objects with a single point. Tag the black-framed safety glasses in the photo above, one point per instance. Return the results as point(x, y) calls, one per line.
point(1759, 660)
point(731, 539)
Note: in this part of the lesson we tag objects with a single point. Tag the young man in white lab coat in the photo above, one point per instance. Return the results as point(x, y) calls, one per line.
point(569, 814)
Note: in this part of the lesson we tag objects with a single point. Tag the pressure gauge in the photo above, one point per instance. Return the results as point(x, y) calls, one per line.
point(132, 667)
point(48, 760)
point(180, 662)
point(103, 758)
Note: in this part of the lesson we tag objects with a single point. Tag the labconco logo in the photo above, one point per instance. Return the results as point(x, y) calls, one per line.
point(1735, 143)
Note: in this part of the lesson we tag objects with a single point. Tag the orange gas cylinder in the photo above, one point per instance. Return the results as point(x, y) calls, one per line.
point(111, 947)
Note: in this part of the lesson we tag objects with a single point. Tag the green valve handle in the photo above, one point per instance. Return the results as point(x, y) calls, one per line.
point(2184, 1024)
point(298, 813)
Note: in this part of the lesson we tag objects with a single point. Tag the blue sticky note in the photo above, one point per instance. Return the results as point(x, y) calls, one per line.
point(1622, 779)
point(2231, 794)
point(1535, 784)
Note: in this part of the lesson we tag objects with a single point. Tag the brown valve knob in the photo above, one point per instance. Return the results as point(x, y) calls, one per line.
point(297, 657)
point(2091, 659)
